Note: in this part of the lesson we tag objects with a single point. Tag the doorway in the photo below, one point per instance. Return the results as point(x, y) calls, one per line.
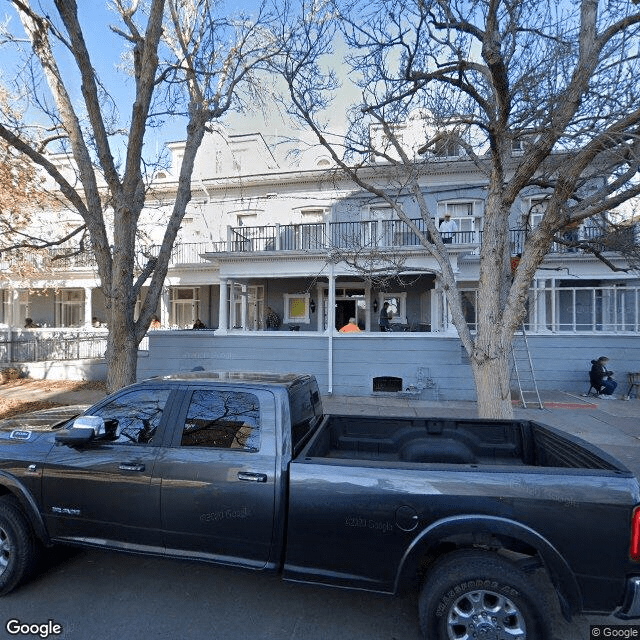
point(345, 309)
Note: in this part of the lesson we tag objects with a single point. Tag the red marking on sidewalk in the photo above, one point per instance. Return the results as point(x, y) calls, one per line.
point(561, 405)
point(570, 405)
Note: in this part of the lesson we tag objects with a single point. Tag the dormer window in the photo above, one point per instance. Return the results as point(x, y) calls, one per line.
point(446, 147)
point(517, 147)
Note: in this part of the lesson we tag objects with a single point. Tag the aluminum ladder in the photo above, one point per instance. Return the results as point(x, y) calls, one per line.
point(522, 370)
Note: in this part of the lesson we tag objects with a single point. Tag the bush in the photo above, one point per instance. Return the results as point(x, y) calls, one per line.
point(9, 373)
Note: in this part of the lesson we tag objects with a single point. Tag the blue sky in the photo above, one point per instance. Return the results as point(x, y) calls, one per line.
point(106, 50)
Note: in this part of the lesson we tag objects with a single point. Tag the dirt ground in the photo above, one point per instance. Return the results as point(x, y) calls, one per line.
point(25, 394)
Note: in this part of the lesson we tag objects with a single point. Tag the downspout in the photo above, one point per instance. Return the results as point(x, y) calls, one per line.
point(331, 321)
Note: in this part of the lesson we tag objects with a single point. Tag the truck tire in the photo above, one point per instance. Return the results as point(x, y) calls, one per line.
point(478, 594)
point(18, 545)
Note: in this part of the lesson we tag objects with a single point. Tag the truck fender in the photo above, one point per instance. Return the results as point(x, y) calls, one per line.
point(456, 526)
point(10, 484)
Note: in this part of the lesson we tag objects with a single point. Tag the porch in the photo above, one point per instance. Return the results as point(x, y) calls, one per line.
point(424, 366)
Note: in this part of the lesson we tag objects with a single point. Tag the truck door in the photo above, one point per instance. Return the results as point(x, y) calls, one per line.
point(218, 477)
point(102, 492)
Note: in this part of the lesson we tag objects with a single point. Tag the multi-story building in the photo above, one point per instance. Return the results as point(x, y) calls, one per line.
point(306, 244)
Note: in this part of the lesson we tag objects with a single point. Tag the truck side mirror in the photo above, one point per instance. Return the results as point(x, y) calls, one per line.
point(83, 429)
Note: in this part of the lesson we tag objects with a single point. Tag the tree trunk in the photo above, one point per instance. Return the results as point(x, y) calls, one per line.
point(492, 380)
point(121, 355)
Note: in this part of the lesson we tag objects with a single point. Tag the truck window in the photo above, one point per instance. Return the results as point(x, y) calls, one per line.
point(135, 415)
point(223, 420)
point(306, 412)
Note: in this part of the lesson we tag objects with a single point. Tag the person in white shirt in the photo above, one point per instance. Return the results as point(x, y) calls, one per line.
point(447, 228)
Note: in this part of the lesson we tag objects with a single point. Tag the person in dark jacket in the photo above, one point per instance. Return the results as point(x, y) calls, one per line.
point(383, 319)
point(601, 378)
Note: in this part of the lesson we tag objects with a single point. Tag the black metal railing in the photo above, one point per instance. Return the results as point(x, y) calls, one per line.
point(38, 348)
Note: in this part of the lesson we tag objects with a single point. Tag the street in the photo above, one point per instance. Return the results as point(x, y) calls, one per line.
point(100, 595)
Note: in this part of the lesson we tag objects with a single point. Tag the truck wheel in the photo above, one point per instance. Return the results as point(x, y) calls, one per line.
point(478, 594)
point(18, 546)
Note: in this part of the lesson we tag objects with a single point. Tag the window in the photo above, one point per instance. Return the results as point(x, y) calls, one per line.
point(135, 415)
point(222, 420)
point(446, 145)
point(70, 308)
point(458, 209)
point(296, 308)
point(467, 216)
point(255, 304)
point(247, 219)
point(517, 147)
point(381, 226)
point(24, 309)
point(534, 211)
point(397, 310)
point(312, 228)
point(306, 413)
point(185, 306)
point(469, 298)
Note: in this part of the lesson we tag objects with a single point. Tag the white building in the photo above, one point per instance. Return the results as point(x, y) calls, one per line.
point(257, 235)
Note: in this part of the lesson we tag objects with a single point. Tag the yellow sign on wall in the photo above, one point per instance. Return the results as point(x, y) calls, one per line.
point(298, 307)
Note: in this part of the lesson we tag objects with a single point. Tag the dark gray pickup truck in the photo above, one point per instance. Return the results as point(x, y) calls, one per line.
point(245, 470)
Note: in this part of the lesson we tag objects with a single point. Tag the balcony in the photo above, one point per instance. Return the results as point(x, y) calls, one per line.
point(390, 234)
point(322, 237)
point(318, 237)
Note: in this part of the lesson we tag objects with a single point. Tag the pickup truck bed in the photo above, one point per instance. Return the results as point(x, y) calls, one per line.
point(452, 441)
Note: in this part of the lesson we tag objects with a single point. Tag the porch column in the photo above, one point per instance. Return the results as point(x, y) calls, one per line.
point(540, 306)
point(88, 307)
point(331, 311)
point(223, 309)
point(165, 304)
point(14, 307)
point(437, 304)
point(245, 302)
point(331, 322)
point(368, 302)
point(319, 308)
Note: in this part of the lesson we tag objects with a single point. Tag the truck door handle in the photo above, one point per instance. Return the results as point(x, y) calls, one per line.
point(131, 466)
point(252, 477)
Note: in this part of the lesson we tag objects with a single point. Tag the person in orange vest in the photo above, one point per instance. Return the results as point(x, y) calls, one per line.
point(350, 327)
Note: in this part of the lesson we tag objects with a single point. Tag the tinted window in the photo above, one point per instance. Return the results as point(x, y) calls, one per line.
point(306, 411)
point(222, 419)
point(134, 416)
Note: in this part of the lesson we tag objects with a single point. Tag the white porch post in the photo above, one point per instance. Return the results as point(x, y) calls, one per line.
point(331, 322)
point(319, 308)
point(88, 318)
point(437, 304)
point(331, 311)
point(540, 306)
point(14, 307)
point(368, 302)
point(223, 309)
point(245, 302)
point(165, 303)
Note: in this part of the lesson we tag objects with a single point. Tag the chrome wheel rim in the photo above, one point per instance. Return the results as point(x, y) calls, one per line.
point(485, 615)
point(5, 551)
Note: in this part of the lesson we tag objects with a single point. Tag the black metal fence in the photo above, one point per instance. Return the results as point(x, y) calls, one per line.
point(32, 347)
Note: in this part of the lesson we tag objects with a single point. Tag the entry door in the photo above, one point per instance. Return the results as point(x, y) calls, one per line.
point(345, 309)
point(218, 478)
point(104, 491)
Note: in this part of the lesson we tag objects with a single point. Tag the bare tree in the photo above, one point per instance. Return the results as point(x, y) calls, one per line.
point(188, 62)
point(557, 81)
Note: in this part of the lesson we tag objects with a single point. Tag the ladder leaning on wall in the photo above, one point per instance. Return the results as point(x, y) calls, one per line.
point(522, 370)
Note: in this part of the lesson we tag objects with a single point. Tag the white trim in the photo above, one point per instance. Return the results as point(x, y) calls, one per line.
point(401, 316)
point(304, 318)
